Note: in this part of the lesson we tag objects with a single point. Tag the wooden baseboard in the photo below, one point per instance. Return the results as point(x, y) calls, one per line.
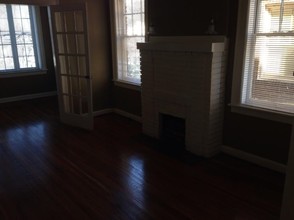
point(128, 115)
point(119, 112)
point(27, 97)
point(255, 159)
point(102, 112)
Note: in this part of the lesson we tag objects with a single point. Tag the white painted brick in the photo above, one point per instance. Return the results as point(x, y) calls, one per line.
point(189, 85)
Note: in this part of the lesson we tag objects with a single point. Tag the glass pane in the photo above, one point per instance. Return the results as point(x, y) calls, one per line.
point(25, 50)
point(24, 11)
point(129, 25)
point(60, 43)
point(133, 57)
point(21, 50)
point(268, 19)
point(17, 25)
point(137, 25)
point(9, 64)
point(67, 104)
point(5, 38)
point(23, 62)
point(69, 21)
point(137, 6)
point(128, 6)
point(84, 86)
point(16, 11)
point(71, 44)
point(20, 11)
point(76, 105)
point(288, 13)
point(31, 62)
point(2, 64)
point(62, 65)
point(28, 38)
point(75, 89)
point(26, 25)
point(79, 21)
point(30, 50)
point(3, 13)
point(71, 104)
point(274, 57)
point(4, 25)
point(80, 44)
point(72, 64)
point(82, 66)
point(19, 38)
point(58, 22)
point(143, 25)
point(85, 106)
point(7, 50)
point(65, 84)
point(7, 61)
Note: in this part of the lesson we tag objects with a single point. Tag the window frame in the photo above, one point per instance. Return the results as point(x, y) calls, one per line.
point(117, 78)
point(238, 76)
point(39, 50)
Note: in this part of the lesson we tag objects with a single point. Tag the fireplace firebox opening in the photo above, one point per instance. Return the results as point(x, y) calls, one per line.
point(172, 131)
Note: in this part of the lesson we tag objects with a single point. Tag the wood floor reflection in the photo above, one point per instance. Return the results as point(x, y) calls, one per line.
point(53, 171)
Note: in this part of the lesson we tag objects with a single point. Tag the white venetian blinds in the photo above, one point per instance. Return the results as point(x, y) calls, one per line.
point(268, 79)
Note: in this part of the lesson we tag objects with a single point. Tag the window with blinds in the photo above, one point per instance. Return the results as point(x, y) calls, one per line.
point(268, 71)
point(129, 23)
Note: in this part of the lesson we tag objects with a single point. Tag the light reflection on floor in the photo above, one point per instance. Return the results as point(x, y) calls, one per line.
point(136, 178)
point(32, 135)
point(28, 144)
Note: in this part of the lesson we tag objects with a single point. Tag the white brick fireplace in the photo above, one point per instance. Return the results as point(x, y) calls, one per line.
point(184, 77)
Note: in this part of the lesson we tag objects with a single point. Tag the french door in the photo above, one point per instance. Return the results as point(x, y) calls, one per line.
point(69, 32)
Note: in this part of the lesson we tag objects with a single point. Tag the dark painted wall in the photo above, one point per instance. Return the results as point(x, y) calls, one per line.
point(127, 100)
point(187, 17)
point(257, 136)
point(18, 86)
point(261, 137)
point(100, 53)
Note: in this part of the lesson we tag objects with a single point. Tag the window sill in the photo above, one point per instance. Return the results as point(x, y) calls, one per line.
point(23, 73)
point(263, 113)
point(128, 85)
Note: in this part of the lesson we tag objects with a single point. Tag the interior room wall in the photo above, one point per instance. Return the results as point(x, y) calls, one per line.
point(261, 137)
point(256, 136)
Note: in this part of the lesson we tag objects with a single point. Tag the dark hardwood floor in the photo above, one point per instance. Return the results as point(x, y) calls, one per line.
point(53, 171)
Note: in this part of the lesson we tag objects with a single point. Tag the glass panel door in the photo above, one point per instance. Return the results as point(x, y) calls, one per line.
point(69, 32)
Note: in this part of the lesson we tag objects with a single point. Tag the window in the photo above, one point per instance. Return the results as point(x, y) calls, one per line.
point(267, 69)
point(19, 43)
point(128, 29)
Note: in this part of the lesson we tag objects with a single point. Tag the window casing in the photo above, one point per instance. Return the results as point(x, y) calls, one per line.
point(128, 28)
point(20, 39)
point(264, 67)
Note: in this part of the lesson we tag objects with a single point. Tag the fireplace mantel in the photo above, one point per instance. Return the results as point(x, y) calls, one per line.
point(184, 77)
point(203, 44)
